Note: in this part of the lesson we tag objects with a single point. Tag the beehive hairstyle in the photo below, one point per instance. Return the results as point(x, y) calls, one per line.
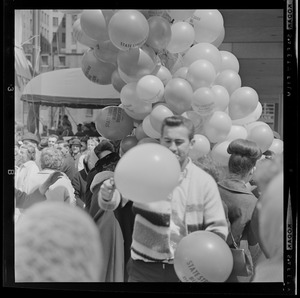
point(244, 154)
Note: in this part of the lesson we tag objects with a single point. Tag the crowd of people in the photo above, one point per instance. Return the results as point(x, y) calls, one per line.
point(136, 242)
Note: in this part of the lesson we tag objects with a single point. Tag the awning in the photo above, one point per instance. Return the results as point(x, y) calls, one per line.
point(69, 88)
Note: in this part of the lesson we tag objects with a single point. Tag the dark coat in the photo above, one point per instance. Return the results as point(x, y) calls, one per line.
point(240, 203)
point(123, 214)
point(79, 185)
point(68, 166)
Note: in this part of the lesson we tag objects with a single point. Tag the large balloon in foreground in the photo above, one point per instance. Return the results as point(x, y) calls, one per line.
point(203, 256)
point(147, 173)
point(128, 29)
point(113, 123)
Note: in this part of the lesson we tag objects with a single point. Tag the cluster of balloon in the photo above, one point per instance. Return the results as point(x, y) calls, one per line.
point(168, 62)
point(203, 256)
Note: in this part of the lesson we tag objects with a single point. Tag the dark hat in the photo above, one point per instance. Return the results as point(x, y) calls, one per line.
point(103, 146)
point(43, 143)
point(75, 142)
point(30, 137)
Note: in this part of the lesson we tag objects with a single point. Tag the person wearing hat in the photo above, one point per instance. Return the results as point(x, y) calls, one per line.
point(30, 138)
point(75, 146)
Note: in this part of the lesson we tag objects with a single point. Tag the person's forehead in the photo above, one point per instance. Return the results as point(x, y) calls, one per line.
point(180, 132)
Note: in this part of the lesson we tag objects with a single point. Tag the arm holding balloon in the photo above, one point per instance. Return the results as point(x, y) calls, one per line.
point(109, 197)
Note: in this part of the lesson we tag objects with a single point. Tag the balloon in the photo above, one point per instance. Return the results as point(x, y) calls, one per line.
point(229, 79)
point(262, 135)
point(150, 89)
point(127, 143)
point(208, 24)
point(110, 119)
point(158, 114)
point(81, 37)
point(106, 52)
point(181, 73)
point(180, 14)
point(200, 147)
point(229, 61)
point(221, 97)
point(160, 13)
point(113, 123)
point(218, 41)
point(276, 146)
point(251, 125)
point(133, 106)
point(159, 33)
point(243, 101)
point(198, 121)
point(148, 140)
point(137, 62)
point(96, 70)
point(254, 116)
point(237, 132)
point(219, 153)
point(128, 29)
point(116, 81)
point(164, 75)
point(203, 256)
point(201, 73)
point(203, 101)
point(178, 95)
point(204, 51)
point(149, 130)
point(139, 132)
point(93, 24)
point(217, 127)
point(127, 79)
point(147, 173)
point(183, 36)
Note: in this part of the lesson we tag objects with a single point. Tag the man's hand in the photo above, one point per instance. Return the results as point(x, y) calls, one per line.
point(51, 180)
point(107, 189)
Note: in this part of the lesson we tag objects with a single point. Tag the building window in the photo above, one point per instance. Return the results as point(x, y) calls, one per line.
point(45, 60)
point(55, 21)
point(62, 61)
point(63, 37)
point(63, 22)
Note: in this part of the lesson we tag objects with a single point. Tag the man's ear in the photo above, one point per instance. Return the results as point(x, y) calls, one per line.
point(192, 142)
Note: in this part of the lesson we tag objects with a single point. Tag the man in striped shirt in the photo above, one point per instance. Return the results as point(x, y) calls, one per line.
point(194, 204)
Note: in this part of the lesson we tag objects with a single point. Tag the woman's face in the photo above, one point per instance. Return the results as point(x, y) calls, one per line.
point(91, 144)
point(75, 149)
